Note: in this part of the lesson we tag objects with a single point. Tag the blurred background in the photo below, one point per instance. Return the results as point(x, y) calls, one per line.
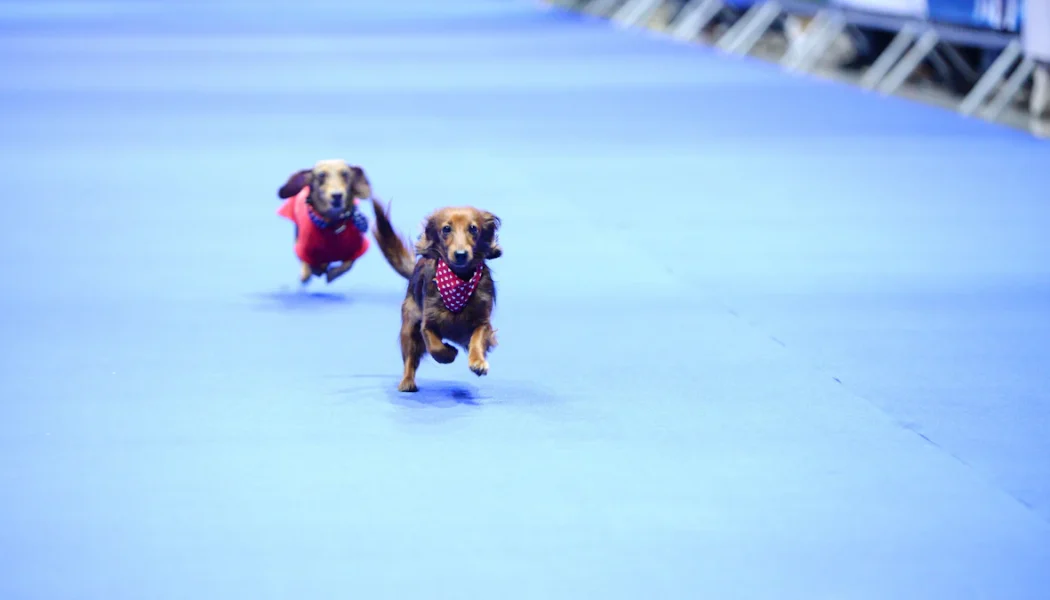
point(986, 58)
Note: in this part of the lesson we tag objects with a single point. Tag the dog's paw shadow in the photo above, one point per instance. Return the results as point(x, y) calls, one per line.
point(436, 394)
point(431, 394)
point(452, 394)
point(300, 298)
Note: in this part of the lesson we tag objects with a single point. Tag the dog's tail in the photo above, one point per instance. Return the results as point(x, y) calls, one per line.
point(397, 251)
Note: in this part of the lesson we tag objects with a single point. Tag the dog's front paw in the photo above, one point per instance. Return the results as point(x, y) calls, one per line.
point(444, 355)
point(480, 366)
point(407, 385)
point(360, 221)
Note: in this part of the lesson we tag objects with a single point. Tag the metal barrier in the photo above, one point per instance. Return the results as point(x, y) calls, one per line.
point(934, 33)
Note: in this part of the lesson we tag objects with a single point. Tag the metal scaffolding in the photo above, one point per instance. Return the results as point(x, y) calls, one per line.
point(914, 41)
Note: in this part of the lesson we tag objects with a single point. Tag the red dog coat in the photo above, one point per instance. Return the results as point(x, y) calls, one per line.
point(319, 242)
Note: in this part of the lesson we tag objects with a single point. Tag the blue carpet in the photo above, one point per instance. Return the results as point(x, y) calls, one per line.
point(761, 336)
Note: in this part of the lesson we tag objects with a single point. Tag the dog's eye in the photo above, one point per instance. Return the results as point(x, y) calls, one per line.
point(346, 175)
point(321, 177)
point(447, 229)
point(473, 229)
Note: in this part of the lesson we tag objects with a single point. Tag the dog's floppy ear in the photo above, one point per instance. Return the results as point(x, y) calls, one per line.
point(359, 183)
point(490, 235)
point(295, 184)
point(429, 237)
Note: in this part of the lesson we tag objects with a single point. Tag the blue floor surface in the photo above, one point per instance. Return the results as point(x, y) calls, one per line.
point(761, 336)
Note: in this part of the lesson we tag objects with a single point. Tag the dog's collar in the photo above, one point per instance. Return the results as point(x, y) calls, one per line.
point(454, 292)
point(322, 223)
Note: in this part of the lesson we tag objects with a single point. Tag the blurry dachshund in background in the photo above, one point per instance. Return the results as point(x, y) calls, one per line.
point(450, 293)
point(329, 228)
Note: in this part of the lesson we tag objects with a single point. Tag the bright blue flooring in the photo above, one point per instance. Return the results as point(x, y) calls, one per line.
point(761, 336)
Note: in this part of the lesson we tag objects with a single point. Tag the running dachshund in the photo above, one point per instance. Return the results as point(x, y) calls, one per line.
point(329, 228)
point(450, 293)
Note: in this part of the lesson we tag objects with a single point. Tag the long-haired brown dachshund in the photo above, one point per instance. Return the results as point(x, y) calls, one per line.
point(450, 292)
point(322, 202)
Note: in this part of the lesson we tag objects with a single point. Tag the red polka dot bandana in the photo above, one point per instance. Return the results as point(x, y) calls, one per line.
point(454, 291)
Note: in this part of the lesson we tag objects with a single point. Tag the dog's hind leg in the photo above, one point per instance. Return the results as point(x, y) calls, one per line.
point(412, 344)
point(412, 349)
point(334, 273)
point(481, 341)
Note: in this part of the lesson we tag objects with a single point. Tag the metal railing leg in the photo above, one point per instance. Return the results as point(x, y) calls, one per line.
point(822, 40)
point(801, 45)
point(991, 78)
point(694, 17)
point(1009, 89)
point(889, 57)
point(750, 32)
point(635, 11)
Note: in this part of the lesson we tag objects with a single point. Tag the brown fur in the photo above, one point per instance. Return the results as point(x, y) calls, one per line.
point(334, 184)
point(425, 321)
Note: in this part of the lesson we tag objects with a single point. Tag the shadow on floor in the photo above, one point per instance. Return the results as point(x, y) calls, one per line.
point(445, 393)
point(289, 298)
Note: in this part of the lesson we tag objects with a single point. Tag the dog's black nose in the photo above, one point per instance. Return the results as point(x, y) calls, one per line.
point(460, 256)
point(337, 199)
